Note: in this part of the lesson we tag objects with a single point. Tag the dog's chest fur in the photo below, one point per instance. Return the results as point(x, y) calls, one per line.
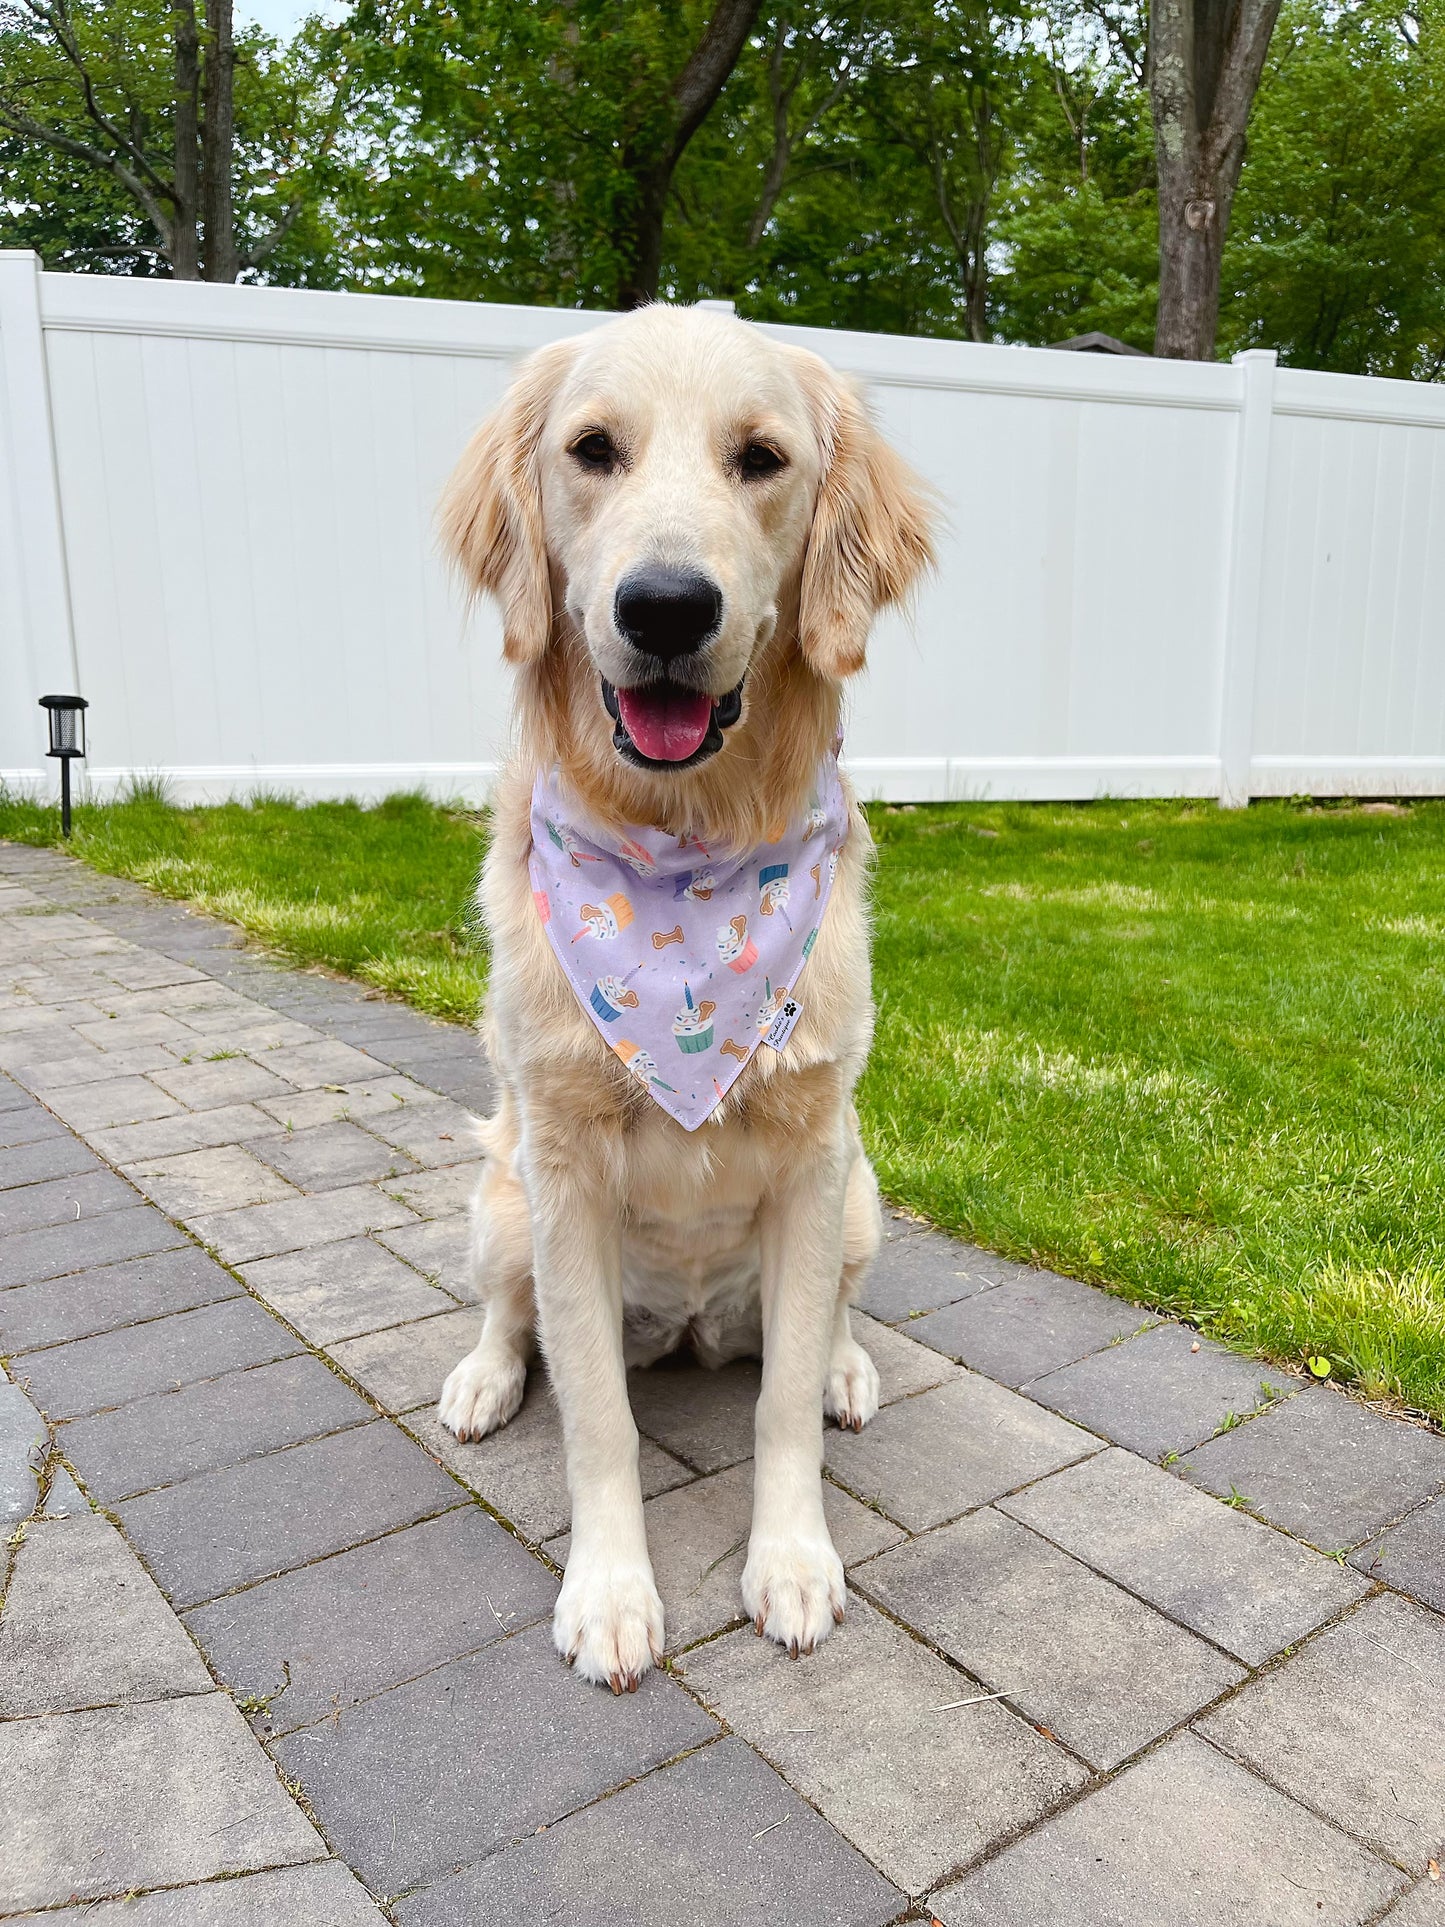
point(690, 1252)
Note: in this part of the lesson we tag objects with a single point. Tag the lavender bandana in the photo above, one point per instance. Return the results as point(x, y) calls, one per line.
point(685, 959)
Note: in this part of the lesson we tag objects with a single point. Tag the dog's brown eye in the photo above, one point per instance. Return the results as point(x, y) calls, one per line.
point(758, 460)
point(596, 450)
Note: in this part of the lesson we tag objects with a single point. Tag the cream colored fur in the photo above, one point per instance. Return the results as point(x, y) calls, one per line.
point(601, 1225)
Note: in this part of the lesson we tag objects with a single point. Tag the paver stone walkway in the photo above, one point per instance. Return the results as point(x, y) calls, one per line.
point(1140, 1634)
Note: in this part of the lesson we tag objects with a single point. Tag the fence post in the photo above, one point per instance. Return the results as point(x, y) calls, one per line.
point(1246, 569)
point(45, 658)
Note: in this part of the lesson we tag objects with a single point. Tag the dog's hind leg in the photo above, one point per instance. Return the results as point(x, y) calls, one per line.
point(485, 1389)
point(850, 1391)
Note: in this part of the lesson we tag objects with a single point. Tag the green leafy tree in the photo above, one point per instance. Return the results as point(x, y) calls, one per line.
point(1077, 225)
point(1337, 256)
point(136, 136)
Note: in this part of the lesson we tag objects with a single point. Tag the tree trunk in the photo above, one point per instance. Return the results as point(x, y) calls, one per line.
point(642, 238)
point(1193, 216)
point(1204, 64)
point(217, 211)
point(185, 246)
point(638, 236)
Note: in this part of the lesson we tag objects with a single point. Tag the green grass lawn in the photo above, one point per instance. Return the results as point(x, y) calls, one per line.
point(1198, 1057)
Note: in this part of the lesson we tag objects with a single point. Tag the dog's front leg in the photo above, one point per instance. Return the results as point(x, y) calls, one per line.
point(793, 1580)
point(608, 1622)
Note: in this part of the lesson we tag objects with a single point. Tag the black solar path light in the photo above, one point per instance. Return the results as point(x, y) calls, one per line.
point(66, 717)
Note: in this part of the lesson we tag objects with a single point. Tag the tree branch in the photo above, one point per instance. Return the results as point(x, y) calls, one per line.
point(111, 164)
point(55, 19)
point(706, 72)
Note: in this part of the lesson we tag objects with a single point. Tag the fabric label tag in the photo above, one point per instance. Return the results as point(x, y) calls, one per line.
point(781, 1029)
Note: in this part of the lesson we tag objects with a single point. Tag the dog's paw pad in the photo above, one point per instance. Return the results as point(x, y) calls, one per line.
point(793, 1591)
point(608, 1624)
point(481, 1394)
point(851, 1393)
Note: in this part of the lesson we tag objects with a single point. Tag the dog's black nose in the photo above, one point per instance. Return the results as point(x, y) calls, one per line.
point(667, 612)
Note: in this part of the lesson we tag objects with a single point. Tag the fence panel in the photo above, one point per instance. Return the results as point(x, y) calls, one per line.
point(1155, 578)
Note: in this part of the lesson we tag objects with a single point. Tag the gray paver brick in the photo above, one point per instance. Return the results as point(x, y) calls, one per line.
point(264, 1230)
point(91, 1374)
point(63, 1497)
point(903, 1366)
point(1164, 1391)
point(740, 1847)
point(856, 1728)
point(521, 1470)
point(703, 1417)
point(1102, 1670)
point(55, 1074)
point(52, 1157)
point(120, 1033)
point(1249, 1589)
point(438, 1194)
point(186, 1131)
point(28, 1126)
point(932, 1457)
point(220, 1179)
point(440, 1248)
point(1425, 1907)
point(1323, 1467)
point(432, 1134)
point(697, 1536)
point(110, 1296)
point(329, 1155)
point(1030, 1326)
point(174, 1435)
point(245, 1522)
point(232, 1080)
point(23, 1445)
point(337, 1291)
point(85, 1625)
point(351, 1626)
point(1411, 1556)
point(309, 1066)
point(1185, 1837)
point(51, 1251)
point(918, 1269)
point(1354, 1724)
point(405, 1367)
point(380, 1097)
point(101, 1802)
point(453, 1067)
point(325, 1894)
point(25, 1051)
point(245, 1027)
point(538, 1742)
point(119, 1100)
point(64, 1201)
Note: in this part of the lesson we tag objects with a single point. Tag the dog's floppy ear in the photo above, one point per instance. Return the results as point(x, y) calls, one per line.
point(491, 511)
point(872, 529)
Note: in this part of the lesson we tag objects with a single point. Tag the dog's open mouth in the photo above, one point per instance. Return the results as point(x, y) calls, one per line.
point(661, 725)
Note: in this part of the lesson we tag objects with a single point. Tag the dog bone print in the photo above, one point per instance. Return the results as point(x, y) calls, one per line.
point(739, 1051)
point(662, 938)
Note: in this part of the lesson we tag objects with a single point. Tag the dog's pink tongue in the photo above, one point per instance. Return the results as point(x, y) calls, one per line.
point(667, 725)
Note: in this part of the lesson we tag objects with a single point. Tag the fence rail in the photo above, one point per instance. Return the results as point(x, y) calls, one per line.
point(1156, 578)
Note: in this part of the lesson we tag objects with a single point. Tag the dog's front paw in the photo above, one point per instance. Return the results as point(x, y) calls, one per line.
point(851, 1392)
point(608, 1622)
point(793, 1590)
point(481, 1393)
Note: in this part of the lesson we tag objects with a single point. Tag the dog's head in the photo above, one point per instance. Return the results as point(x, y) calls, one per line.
point(675, 498)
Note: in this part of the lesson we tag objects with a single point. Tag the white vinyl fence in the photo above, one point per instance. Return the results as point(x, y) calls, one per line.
point(1157, 578)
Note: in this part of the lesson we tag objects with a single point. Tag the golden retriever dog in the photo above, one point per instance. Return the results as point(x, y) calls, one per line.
point(689, 529)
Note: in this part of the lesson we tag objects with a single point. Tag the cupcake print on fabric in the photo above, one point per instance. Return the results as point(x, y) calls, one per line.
point(682, 955)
